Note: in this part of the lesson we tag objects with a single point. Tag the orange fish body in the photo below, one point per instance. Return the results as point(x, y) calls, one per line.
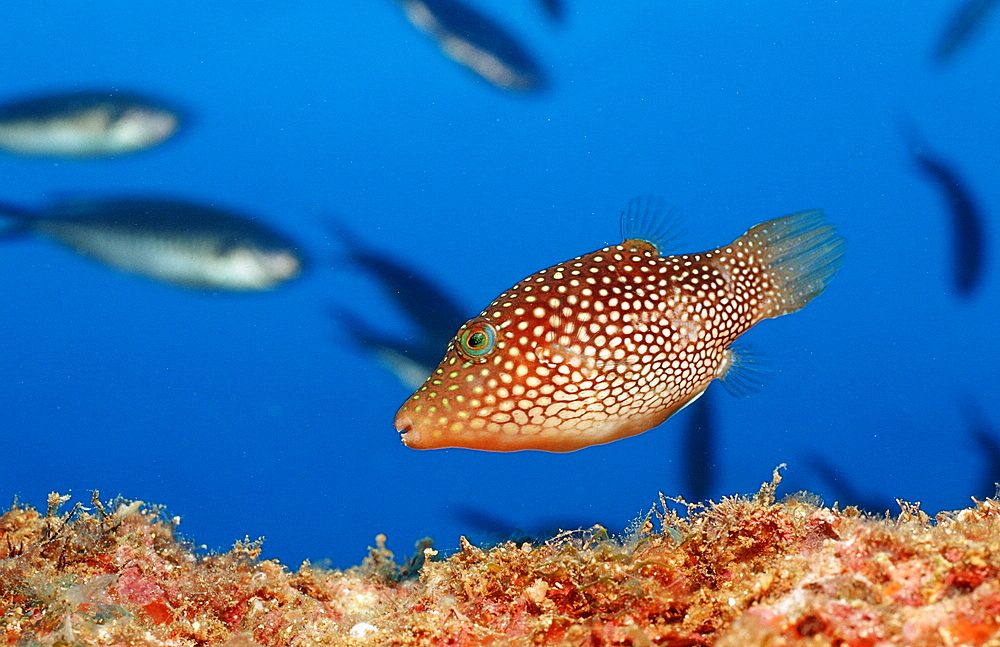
point(612, 343)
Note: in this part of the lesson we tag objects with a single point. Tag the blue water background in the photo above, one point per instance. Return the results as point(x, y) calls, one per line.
point(251, 415)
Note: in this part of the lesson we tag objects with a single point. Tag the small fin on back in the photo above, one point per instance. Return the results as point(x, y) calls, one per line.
point(800, 254)
point(652, 220)
point(744, 371)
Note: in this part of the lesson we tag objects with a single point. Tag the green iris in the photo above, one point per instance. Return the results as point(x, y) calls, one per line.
point(477, 340)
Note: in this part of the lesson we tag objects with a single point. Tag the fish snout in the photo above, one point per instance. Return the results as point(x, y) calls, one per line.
point(418, 430)
point(405, 427)
point(283, 265)
point(141, 128)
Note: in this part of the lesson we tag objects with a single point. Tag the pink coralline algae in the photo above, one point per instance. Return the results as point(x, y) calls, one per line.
point(744, 571)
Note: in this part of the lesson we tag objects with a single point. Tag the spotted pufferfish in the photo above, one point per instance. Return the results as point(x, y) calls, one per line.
point(612, 343)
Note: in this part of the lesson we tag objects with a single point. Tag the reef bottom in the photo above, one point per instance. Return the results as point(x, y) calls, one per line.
point(744, 571)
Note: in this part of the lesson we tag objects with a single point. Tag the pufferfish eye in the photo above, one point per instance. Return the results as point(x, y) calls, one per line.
point(477, 340)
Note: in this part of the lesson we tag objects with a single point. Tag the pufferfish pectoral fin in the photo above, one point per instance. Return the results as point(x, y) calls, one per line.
point(744, 371)
point(653, 220)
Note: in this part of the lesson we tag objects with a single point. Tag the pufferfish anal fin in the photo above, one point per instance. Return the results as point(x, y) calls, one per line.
point(655, 221)
point(744, 371)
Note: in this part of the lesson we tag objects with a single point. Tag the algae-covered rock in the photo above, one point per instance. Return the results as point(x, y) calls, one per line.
point(744, 571)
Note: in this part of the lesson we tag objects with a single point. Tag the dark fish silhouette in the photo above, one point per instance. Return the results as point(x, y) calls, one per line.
point(490, 529)
point(699, 448)
point(173, 241)
point(845, 492)
point(967, 221)
point(555, 9)
point(426, 303)
point(478, 42)
point(85, 124)
point(430, 308)
point(410, 358)
point(988, 443)
point(968, 19)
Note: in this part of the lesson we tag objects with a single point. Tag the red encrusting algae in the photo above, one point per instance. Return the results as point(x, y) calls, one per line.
point(744, 571)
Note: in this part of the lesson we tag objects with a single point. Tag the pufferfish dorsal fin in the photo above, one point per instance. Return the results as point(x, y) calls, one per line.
point(653, 220)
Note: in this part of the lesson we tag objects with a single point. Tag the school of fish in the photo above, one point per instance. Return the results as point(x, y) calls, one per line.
point(600, 347)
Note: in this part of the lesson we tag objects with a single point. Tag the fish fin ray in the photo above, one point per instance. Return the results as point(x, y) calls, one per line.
point(744, 371)
point(800, 254)
point(653, 220)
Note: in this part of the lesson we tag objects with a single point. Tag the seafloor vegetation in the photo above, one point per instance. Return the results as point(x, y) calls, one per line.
point(744, 571)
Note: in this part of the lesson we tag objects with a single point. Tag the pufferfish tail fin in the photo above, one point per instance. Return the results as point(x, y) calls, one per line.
point(798, 255)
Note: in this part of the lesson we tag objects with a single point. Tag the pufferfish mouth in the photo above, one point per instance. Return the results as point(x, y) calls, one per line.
point(404, 425)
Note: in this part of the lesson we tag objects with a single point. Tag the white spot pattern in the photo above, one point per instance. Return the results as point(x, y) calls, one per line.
point(587, 365)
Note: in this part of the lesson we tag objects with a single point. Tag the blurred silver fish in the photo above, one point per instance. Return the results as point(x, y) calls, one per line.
point(424, 301)
point(85, 124)
point(177, 242)
point(428, 306)
point(968, 19)
point(478, 42)
point(410, 358)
